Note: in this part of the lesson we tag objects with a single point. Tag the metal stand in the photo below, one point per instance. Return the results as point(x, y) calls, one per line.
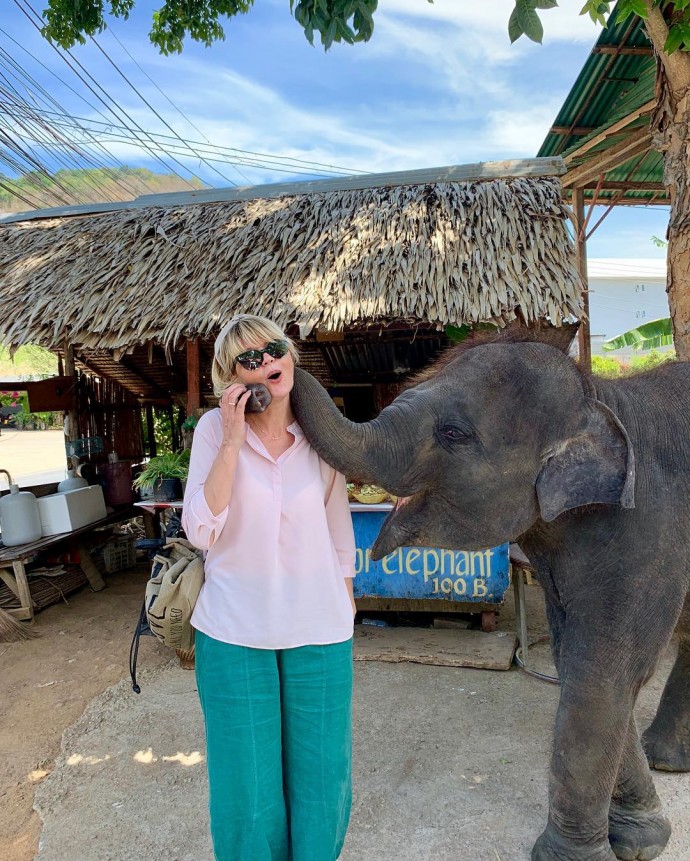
point(518, 576)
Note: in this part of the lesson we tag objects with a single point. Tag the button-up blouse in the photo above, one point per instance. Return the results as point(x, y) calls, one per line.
point(277, 556)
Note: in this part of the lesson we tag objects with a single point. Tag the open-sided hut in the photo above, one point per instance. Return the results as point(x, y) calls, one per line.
point(366, 272)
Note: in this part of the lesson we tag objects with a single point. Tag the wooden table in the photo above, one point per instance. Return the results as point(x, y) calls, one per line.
point(14, 559)
point(151, 510)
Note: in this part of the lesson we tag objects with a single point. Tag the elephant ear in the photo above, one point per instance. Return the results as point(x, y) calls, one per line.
point(597, 465)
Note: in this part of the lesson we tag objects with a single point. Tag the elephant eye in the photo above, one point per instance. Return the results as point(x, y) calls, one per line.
point(448, 434)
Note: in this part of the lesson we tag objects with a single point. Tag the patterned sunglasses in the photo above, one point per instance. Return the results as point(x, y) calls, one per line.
point(253, 359)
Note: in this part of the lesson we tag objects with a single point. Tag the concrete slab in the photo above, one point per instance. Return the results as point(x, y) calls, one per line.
point(443, 648)
point(449, 763)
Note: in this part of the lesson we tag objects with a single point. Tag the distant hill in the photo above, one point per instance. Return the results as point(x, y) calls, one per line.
point(83, 186)
point(30, 361)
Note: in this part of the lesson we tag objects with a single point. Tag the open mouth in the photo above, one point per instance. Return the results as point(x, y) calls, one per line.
point(275, 376)
point(393, 534)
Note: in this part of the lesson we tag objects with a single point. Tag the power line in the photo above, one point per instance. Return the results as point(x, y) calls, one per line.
point(166, 97)
point(150, 107)
point(50, 99)
point(268, 162)
point(64, 55)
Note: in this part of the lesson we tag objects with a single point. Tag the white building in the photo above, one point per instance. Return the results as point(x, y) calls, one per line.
point(624, 294)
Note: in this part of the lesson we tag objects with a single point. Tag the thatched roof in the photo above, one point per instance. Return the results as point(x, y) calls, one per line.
point(441, 252)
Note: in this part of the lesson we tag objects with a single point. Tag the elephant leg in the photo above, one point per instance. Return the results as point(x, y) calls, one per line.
point(637, 827)
point(596, 750)
point(667, 740)
point(590, 734)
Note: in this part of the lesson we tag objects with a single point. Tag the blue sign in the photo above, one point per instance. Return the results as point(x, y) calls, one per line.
point(481, 576)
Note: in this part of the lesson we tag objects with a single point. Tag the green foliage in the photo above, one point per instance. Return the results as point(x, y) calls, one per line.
point(336, 20)
point(679, 20)
point(611, 368)
point(162, 430)
point(29, 361)
point(603, 366)
point(172, 464)
point(456, 334)
point(649, 336)
point(68, 21)
point(651, 360)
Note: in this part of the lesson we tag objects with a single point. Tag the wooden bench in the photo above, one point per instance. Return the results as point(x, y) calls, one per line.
point(13, 560)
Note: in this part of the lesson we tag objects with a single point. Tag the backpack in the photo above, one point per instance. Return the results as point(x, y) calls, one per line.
point(171, 595)
point(177, 576)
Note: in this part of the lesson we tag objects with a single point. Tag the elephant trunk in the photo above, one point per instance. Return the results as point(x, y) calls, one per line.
point(368, 451)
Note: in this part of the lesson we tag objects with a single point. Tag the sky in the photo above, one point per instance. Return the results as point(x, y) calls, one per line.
point(438, 84)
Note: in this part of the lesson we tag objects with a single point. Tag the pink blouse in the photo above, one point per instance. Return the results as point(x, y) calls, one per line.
point(277, 556)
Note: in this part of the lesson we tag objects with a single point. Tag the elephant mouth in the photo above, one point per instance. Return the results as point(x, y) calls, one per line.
point(394, 532)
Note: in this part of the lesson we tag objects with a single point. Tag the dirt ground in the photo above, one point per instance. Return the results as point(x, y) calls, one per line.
point(446, 759)
point(46, 685)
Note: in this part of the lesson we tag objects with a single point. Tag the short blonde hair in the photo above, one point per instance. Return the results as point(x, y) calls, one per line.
point(238, 335)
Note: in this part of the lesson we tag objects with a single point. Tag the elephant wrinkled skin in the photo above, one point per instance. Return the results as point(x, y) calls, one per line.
point(508, 440)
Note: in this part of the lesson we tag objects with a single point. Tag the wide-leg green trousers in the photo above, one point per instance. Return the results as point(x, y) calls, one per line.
point(279, 749)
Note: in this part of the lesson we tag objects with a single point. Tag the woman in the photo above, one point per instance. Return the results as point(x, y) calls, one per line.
point(274, 619)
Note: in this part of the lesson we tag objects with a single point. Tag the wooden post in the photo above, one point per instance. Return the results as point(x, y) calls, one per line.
point(584, 332)
point(193, 376)
point(70, 371)
point(173, 428)
point(150, 430)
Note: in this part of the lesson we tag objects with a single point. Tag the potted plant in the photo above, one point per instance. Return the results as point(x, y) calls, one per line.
point(164, 474)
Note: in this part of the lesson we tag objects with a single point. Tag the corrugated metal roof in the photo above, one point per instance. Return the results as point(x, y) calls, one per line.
point(602, 129)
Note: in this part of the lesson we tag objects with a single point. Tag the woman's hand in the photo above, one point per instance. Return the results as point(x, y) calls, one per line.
point(232, 404)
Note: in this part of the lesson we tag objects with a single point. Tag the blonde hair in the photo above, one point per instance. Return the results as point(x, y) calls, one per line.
point(236, 336)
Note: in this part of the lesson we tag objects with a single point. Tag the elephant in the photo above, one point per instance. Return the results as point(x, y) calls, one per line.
point(507, 439)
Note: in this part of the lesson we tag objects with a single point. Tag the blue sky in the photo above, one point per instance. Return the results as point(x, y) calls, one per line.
point(438, 84)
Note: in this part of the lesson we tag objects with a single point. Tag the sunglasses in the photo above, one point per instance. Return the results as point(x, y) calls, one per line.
point(253, 359)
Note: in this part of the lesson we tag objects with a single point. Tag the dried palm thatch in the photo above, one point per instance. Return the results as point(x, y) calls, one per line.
point(443, 253)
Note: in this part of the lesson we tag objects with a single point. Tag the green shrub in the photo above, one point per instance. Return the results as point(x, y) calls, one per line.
point(605, 366)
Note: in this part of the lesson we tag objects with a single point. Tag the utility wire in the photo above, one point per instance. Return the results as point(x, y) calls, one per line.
point(151, 108)
point(269, 162)
point(63, 55)
point(40, 95)
point(61, 109)
point(166, 97)
point(329, 168)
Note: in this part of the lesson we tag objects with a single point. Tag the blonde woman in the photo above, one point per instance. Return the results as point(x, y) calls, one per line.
point(274, 619)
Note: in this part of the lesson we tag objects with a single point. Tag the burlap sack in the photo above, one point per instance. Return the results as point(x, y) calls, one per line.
point(172, 593)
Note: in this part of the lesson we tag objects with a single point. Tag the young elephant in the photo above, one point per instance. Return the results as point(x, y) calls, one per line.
point(509, 441)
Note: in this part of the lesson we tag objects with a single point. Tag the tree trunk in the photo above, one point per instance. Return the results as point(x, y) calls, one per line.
point(671, 135)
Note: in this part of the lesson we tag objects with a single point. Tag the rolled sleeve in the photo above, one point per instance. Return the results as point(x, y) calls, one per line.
point(201, 526)
point(340, 524)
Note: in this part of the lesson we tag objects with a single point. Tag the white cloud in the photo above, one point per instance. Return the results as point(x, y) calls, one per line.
point(521, 128)
point(491, 16)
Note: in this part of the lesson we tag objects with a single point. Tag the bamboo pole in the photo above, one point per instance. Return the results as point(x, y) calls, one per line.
point(583, 335)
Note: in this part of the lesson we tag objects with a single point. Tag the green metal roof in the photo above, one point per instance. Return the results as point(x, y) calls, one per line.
point(602, 130)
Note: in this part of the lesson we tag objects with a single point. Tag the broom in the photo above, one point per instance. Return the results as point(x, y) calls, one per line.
point(12, 630)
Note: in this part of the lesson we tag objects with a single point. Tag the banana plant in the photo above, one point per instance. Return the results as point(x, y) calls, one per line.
point(649, 336)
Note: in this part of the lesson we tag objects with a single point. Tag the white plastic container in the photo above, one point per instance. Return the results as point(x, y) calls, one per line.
point(63, 512)
point(72, 482)
point(19, 517)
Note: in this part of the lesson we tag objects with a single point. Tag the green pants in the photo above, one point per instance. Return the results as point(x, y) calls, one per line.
point(279, 749)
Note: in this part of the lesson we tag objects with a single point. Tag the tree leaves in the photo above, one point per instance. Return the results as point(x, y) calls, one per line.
point(524, 19)
point(336, 20)
point(649, 336)
point(350, 21)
